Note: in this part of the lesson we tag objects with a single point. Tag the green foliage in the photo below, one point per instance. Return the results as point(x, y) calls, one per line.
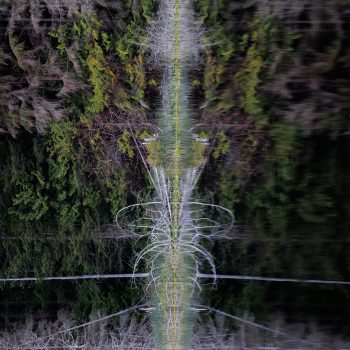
point(56, 195)
point(148, 9)
point(292, 198)
point(248, 77)
point(60, 148)
point(217, 60)
point(125, 144)
point(248, 80)
point(258, 52)
point(93, 42)
point(198, 153)
point(206, 12)
point(154, 153)
point(222, 146)
point(282, 183)
point(30, 202)
point(107, 41)
point(202, 8)
point(61, 36)
point(228, 189)
point(86, 30)
point(289, 39)
point(95, 50)
point(212, 78)
point(100, 77)
point(285, 138)
point(89, 300)
point(226, 43)
point(123, 101)
point(142, 11)
point(117, 191)
point(96, 55)
point(244, 42)
point(127, 46)
point(126, 42)
point(136, 76)
point(316, 207)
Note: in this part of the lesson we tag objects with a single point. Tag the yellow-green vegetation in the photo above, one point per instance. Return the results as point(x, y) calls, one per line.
point(207, 11)
point(97, 51)
point(136, 75)
point(199, 148)
point(222, 145)
point(30, 203)
point(171, 156)
point(248, 78)
point(220, 49)
point(130, 49)
point(61, 36)
point(128, 42)
point(125, 144)
point(212, 77)
point(143, 10)
point(257, 45)
point(95, 45)
point(198, 153)
point(60, 149)
point(61, 188)
point(154, 152)
point(100, 77)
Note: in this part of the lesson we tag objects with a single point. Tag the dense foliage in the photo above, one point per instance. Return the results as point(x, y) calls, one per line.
point(272, 96)
point(275, 83)
point(76, 87)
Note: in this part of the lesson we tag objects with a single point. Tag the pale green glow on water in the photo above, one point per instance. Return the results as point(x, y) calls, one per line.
point(175, 221)
point(173, 270)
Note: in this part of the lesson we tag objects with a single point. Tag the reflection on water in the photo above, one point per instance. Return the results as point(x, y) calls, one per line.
point(283, 103)
point(269, 101)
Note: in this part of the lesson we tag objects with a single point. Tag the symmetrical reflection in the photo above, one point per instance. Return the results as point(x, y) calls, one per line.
point(174, 174)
